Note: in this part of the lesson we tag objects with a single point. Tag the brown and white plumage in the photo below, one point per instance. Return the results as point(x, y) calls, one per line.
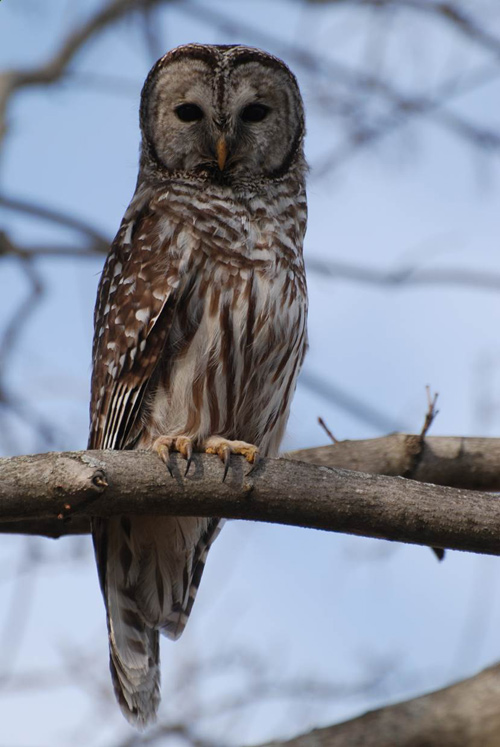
point(200, 322)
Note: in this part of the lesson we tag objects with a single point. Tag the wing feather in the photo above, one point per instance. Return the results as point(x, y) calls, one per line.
point(137, 297)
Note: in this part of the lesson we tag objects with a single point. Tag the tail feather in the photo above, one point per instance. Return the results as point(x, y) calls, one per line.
point(177, 619)
point(138, 690)
point(134, 659)
point(171, 567)
point(150, 569)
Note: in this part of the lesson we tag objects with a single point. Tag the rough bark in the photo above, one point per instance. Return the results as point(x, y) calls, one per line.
point(463, 715)
point(458, 462)
point(66, 488)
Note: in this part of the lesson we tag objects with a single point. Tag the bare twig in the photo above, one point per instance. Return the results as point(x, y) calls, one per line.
point(431, 413)
point(327, 431)
point(361, 410)
point(419, 448)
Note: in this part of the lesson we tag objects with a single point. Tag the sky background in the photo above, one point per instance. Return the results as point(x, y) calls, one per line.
point(300, 604)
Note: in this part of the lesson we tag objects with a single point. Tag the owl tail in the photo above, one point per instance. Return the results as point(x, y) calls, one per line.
point(134, 658)
point(149, 568)
point(137, 688)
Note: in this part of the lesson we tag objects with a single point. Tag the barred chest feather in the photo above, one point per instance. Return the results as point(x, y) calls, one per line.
point(238, 336)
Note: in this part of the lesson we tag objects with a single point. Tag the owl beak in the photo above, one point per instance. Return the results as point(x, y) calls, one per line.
point(221, 150)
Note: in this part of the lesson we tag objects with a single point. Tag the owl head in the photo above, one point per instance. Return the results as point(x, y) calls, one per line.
point(223, 113)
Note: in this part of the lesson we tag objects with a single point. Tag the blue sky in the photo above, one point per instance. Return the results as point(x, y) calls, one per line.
point(309, 603)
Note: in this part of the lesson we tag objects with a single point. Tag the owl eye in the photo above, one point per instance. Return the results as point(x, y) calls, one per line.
point(189, 112)
point(254, 112)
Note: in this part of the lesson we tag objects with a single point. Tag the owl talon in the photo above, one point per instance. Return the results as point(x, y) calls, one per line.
point(164, 445)
point(226, 459)
point(189, 458)
point(184, 446)
point(167, 460)
point(254, 463)
point(223, 447)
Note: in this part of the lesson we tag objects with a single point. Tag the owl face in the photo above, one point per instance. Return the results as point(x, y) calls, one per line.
point(221, 113)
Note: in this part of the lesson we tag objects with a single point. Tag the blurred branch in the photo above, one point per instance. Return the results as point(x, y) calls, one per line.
point(22, 313)
point(11, 337)
point(463, 715)
point(363, 134)
point(453, 14)
point(55, 68)
point(344, 400)
point(158, 733)
point(17, 613)
point(48, 432)
point(10, 249)
point(100, 243)
point(106, 483)
point(11, 82)
point(338, 270)
point(405, 276)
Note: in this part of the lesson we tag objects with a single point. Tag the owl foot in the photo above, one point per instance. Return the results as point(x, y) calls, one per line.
point(224, 448)
point(164, 445)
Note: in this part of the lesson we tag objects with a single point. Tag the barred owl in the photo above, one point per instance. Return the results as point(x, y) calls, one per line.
point(200, 322)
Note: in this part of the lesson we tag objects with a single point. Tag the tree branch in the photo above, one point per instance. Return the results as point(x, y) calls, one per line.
point(65, 487)
point(463, 714)
point(405, 276)
point(56, 67)
point(455, 461)
point(99, 242)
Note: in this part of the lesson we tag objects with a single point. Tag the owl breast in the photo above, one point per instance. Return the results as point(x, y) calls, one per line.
point(232, 358)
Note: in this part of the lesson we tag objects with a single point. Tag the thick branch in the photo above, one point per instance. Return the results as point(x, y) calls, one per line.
point(463, 714)
point(72, 485)
point(470, 463)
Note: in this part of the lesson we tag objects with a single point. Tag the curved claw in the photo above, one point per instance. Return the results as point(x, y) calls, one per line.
point(162, 448)
point(224, 447)
point(168, 462)
point(256, 460)
point(226, 458)
point(189, 457)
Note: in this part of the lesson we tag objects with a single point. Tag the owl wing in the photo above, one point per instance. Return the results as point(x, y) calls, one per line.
point(136, 302)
